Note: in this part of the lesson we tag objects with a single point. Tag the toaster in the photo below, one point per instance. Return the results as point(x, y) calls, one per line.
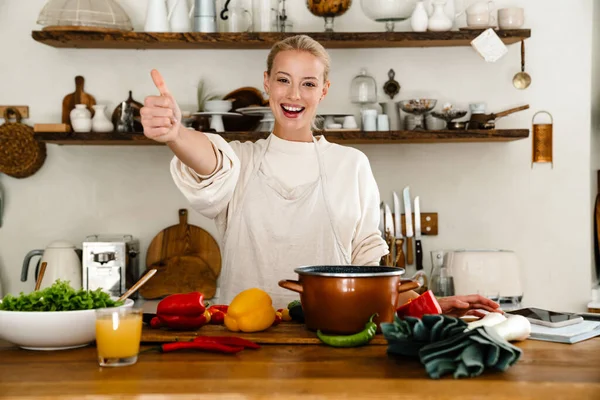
point(492, 273)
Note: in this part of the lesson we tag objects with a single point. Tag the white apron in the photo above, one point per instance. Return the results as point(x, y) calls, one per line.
point(274, 231)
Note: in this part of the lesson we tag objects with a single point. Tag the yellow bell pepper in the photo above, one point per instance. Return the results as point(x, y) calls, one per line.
point(250, 311)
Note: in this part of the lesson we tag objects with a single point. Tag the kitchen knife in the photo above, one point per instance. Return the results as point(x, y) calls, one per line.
point(409, 226)
point(389, 230)
point(418, 248)
point(400, 259)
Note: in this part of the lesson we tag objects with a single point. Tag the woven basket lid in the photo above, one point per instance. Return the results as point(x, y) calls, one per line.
point(20, 154)
point(91, 13)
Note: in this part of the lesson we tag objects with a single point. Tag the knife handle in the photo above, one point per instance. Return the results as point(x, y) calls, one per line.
point(400, 260)
point(409, 251)
point(419, 254)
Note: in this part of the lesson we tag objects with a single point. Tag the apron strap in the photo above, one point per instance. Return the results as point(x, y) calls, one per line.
point(323, 179)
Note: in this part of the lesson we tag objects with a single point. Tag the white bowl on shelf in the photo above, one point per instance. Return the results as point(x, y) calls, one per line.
point(50, 330)
point(217, 105)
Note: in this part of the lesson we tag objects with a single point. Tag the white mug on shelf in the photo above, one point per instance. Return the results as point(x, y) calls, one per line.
point(369, 120)
point(383, 123)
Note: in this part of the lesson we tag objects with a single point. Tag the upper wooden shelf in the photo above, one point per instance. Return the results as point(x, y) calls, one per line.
point(261, 40)
point(342, 137)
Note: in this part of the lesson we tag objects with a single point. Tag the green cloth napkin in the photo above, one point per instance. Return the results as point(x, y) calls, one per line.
point(443, 347)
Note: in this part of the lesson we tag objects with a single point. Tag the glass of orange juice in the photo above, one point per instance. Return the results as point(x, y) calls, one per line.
point(118, 335)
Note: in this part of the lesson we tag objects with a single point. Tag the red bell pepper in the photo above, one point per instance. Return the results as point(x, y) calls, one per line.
point(422, 305)
point(182, 304)
point(184, 322)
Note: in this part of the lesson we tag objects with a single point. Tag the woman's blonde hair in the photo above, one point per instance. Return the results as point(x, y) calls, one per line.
point(300, 43)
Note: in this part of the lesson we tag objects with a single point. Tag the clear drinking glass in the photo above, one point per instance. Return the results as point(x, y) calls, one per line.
point(118, 336)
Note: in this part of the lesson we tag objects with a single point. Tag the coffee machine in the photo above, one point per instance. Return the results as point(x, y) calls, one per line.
point(110, 263)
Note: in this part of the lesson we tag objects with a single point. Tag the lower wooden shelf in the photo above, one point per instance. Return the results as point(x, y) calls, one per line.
point(342, 137)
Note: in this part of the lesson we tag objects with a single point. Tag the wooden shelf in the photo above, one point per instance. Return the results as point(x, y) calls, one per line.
point(342, 137)
point(261, 40)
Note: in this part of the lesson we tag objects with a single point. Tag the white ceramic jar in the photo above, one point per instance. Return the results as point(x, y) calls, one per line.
point(81, 118)
point(100, 122)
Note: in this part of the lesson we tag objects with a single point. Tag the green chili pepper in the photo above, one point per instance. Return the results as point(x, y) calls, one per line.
point(358, 339)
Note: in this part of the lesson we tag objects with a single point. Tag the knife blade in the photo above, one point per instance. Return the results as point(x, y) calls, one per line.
point(399, 259)
point(409, 226)
point(418, 248)
point(382, 219)
point(389, 229)
point(397, 217)
point(389, 221)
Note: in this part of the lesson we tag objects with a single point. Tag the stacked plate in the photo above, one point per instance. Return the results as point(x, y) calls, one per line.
point(268, 119)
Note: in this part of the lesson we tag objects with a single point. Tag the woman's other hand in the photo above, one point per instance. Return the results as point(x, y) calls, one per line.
point(161, 116)
point(457, 306)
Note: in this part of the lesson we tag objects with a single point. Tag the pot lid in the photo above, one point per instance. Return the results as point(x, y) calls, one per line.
point(349, 271)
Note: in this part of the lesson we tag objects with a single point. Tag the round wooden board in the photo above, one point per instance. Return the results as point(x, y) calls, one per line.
point(188, 259)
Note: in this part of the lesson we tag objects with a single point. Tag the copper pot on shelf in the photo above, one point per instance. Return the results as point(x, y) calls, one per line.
point(340, 299)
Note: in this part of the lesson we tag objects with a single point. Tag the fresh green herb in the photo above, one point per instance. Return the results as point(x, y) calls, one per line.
point(58, 297)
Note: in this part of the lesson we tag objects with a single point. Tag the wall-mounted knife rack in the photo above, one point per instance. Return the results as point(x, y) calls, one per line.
point(429, 224)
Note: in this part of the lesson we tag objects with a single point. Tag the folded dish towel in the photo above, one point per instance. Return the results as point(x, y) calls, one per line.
point(443, 347)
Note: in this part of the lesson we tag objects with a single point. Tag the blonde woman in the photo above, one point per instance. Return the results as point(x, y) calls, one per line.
point(286, 201)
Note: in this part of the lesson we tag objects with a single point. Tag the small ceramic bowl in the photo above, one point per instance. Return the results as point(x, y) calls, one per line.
point(217, 105)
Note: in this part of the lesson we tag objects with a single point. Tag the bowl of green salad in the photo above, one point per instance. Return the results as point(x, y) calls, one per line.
point(55, 318)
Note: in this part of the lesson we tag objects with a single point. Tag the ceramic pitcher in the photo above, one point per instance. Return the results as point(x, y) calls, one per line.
point(156, 17)
point(179, 16)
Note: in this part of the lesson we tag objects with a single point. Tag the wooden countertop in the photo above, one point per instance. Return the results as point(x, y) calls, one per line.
point(545, 371)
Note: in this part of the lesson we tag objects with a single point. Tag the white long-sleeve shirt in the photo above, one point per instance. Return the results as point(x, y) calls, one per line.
point(351, 187)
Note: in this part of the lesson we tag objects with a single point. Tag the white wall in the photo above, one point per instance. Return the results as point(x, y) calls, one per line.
point(486, 194)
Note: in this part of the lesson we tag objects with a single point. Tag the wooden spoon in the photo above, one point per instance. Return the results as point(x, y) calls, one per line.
point(138, 284)
point(522, 80)
point(40, 276)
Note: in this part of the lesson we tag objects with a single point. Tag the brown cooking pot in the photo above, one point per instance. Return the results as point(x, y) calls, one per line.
point(340, 299)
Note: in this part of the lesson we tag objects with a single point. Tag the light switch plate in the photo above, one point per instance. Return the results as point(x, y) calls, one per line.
point(489, 46)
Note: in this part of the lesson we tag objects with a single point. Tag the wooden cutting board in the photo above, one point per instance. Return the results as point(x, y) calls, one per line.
point(187, 258)
point(284, 333)
point(77, 97)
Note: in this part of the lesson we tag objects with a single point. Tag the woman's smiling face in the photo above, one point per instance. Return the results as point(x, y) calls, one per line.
point(295, 86)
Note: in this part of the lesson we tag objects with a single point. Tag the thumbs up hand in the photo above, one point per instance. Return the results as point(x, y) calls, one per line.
point(161, 116)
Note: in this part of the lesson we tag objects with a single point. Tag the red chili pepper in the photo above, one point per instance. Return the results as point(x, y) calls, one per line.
point(422, 305)
point(182, 304)
point(208, 346)
point(184, 322)
point(155, 322)
point(228, 340)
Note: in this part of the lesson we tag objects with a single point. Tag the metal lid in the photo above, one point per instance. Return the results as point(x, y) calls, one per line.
point(349, 271)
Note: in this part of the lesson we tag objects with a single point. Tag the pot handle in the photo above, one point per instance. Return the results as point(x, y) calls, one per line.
point(294, 286)
point(406, 285)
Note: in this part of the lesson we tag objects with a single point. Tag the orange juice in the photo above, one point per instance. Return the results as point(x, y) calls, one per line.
point(118, 333)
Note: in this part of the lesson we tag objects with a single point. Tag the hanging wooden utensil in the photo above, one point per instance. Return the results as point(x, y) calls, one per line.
point(541, 149)
point(522, 80)
point(20, 154)
point(187, 259)
point(77, 97)
point(40, 277)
